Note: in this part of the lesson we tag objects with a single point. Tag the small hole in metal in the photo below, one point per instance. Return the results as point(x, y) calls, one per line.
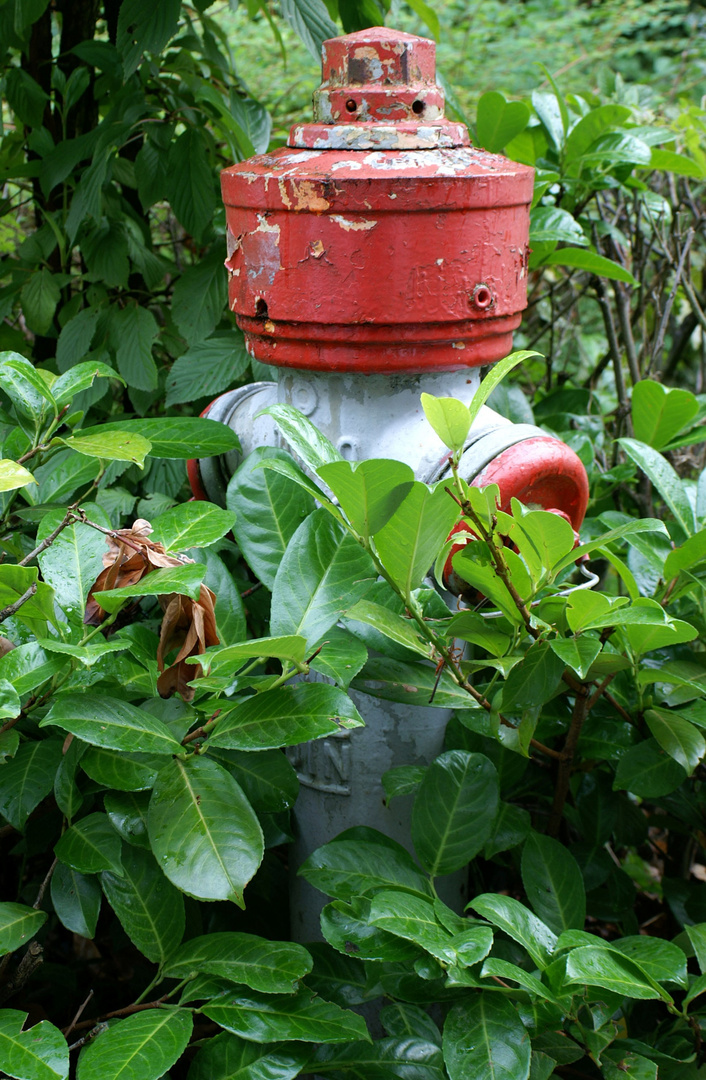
point(482, 297)
point(351, 104)
point(260, 308)
point(418, 107)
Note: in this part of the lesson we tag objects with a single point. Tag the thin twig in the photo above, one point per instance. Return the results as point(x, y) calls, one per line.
point(79, 1013)
point(68, 520)
point(126, 1011)
point(43, 886)
point(659, 340)
point(6, 612)
point(564, 772)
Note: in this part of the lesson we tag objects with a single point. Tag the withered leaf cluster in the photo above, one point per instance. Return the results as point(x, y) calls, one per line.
point(189, 626)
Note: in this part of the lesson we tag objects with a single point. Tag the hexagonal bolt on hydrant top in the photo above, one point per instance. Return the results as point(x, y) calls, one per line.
point(375, 257)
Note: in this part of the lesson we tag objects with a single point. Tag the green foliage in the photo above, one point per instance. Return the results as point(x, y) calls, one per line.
point(571, 779)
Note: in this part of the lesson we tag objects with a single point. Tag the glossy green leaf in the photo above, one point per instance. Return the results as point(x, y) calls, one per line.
point(677, 736)
point(266, 777)
point(578, 653)
point(227, 1057)
point(27, 779)
point(36, 610)
point(534, 680)
point(454, 810)
point(324, 572)
point(194, 524)
point(594, 966)
point(18, 924)
point(39, 1053)
point(413, 919)
point(549, 223)
point(403, 631)
point(590, 127)
point(676, 163)
point(660, 473)
point(363, 864)
point(369, 492)
point(176, 436)
point(74, 560)
point(402, 780)
point(400, 1020)
point(111, 446)
point(663, 961)
point(617, 1065)
point(127, 811)
point(409, 1058)
point(272, 967)
point(582, 259)
point(286, 716)
point(141, 1047)
point(121, 770)
point(290, 647)
point(306, 441)
point(269, 508)
point(110, 723)
point(203, 830)
point(449, 417)
point(409, 542)
point(498, 121)
point(346, 927)
point(185, 580)
point(207, 368)
point(511, 826)
point(149, 908)
point(341, 657)
point(519, 923)
point(10, 703)
point(301, 1017)
point(659, 413)
point(90, 845)
point(486, 1030)
point(648, 771)
point(13, 475)
point(697, 936)
point(79, 378)
point(24, 386)
point(76, 899)
point(494, 377)
point(553, 883)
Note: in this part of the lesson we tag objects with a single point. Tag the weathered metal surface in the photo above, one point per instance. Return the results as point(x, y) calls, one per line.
point(378, 241)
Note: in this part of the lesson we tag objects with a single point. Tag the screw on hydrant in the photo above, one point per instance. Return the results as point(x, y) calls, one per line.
point(375, 257)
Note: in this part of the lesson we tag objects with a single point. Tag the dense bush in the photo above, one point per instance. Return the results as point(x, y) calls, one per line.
point(144, 858)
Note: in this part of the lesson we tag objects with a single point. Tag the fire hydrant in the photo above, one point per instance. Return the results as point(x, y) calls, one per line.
point(375, 257)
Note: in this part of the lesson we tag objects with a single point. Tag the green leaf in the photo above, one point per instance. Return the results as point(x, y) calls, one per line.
point(582, 259)
point(142, 1047)
point(226, 1057)
point(486, 1030)
point(144, 28)
point(285, 716)
point(670, 486)
point(41, 1053)
point(662, 960)
point(79, 378)
point(10, 703)
point(412, 537)
point(402, 780)
point(494, 377)
point(40, 295)
point(18, 925)
point(91, 845)
point(519, 923)
point(503, 970)
point(128, 815)
point(549, 223)
point(207, 368)
point(365, 863)
point(646, 770)
point(200, 295)
point(534, 680)
point(306, 441)
point(134, 329)
point(454, 810)
point(449, 417)
point(498, 121)
point(123, 771)
point(113, 724)
point(267, 778)
point(311, 21)
point(193, 524)
point(111, 446)
point(302, 1017)
point(402, 1020)
point(272, 967)
point(595, 966)
point(659, 413)
point(669, 161)
point(38, 609)
point(409, 1058)
point(630, 529)
point(578, 653)
point(411, 684)
point(66, 792)
point(149, 908)
point(190, 186)
point(677, 736)
point(396, 627)
point(13, 475)
point(590, 127)
point(185, 580)
point(347, 928)
point(26, 388)
point(203, 831)
point(27, 779)
point(290, 647)
point(622, 1065)
point(324, 572)
point(553, 883)
point(176, 436)
point(73, 561)
point(76, 900)
point(413, 919)
point(269, 508)
point(341, 658)
point(368, 492)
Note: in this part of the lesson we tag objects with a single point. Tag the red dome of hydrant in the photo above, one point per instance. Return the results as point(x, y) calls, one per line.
point(378, 240)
